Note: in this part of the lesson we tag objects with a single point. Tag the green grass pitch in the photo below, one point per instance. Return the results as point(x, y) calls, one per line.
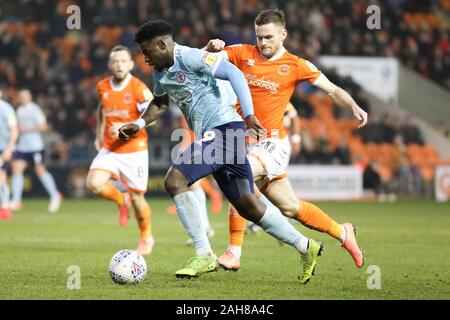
point(408, 241)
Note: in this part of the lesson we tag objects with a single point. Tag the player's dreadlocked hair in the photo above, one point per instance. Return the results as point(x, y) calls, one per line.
point(151, 29)
point(275, 16)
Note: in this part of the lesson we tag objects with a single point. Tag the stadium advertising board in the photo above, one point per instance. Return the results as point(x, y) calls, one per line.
point(378, 76)
point(326, 182)
point(442, 183)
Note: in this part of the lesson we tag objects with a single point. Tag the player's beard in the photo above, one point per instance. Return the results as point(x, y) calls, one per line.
point(119, 80)
point(275, 49)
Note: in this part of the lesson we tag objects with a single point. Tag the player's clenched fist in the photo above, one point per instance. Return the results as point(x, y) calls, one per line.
point(127, 131)
point(255, 128)
point(215, 45)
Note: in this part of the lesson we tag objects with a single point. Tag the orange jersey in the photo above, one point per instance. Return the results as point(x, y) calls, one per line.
point(122, 105)
point(271, 82)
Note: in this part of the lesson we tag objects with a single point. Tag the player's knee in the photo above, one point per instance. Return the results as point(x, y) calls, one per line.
point(40, 170)
point(2, 178)
point(250, 208)
point(175, 183)
point(94, 185)
point(175, 186)
point(289, 209)
point(18, 167)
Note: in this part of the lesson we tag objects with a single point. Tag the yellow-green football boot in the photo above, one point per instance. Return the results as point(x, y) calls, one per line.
point(309, 260)
point(197, 266)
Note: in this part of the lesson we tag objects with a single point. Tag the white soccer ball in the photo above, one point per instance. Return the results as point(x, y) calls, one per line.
point(127, 266)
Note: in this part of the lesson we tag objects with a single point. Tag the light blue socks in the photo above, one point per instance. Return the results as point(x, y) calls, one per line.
point(49, 184)
point(201, 198)
point(275, 224)
point(189, 212)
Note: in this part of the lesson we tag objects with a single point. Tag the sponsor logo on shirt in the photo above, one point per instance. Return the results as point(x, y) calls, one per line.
point(262, 83)
point(117, 113)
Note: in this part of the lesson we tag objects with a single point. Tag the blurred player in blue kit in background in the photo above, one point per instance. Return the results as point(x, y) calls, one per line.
point(8, 138)
point(30, 151)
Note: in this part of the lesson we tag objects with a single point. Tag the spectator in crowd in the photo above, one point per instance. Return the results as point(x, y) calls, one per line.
point(63, 66)
point(341, 154)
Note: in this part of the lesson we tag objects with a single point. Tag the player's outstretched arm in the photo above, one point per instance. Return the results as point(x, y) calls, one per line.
point(154, 111)
point(341, 98)
point(228, 71)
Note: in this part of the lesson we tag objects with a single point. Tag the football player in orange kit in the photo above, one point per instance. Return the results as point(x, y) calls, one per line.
point(272, 75)
point(123, 98)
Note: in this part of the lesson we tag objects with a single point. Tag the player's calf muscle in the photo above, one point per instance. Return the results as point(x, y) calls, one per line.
point(288, 206)
point(249, 208)
point(138, 201)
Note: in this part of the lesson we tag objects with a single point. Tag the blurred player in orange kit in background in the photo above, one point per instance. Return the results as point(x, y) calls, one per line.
point(123, 98)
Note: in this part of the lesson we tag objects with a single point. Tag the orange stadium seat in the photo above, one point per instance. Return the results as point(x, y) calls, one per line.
point(427, 173)
point(445, 5)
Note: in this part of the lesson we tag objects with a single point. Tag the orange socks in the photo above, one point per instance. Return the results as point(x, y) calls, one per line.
point(237, 226)
point(144, 219)
point(313, 217)
point(208, 188)
point(111, 193)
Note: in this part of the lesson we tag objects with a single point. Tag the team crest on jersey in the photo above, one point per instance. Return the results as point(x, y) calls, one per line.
point(180, 77)
point(105, 95)
point(127, 98)
point(284, 70)
point(251, 62)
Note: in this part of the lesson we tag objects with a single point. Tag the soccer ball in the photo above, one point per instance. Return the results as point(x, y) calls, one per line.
point(127, 266)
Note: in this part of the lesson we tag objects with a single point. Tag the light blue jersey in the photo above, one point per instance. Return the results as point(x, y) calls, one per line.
point(206, 102)
point(29, 116)
point(7, 119)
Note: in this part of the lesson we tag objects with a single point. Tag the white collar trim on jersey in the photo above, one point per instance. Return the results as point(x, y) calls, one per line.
point(276, 56)
point(123, 84)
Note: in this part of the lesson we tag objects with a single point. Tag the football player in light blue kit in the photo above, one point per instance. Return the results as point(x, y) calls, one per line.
point(8, 138)
point(188, 76)
point(30, 150)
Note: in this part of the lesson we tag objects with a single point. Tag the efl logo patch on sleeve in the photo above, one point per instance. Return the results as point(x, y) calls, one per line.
point(147, 95)
point(12, 120)
point(210, 59)
point(311, 66)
